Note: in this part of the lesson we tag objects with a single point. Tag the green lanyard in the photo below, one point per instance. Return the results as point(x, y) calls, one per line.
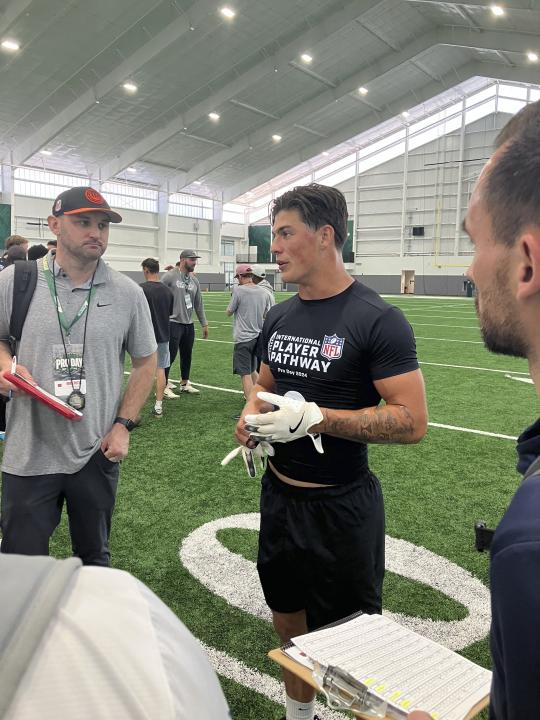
point(61, 315)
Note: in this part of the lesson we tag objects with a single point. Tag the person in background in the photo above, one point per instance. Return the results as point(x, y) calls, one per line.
point(16, 248)
point(36, 252)
point(160, 301)
point(187, 297)
point(249, 306)
point(258, 274)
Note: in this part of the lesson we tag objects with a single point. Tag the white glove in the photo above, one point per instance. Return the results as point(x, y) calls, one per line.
point(292, 421)
point(250, 455)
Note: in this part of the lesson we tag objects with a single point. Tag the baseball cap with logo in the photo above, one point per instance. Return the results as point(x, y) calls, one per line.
point(188, 255)
point(258, 270)
point(78, 200)
point(243, 269)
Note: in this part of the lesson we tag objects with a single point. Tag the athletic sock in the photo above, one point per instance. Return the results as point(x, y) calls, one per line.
point(299, 710)
point(159, 404)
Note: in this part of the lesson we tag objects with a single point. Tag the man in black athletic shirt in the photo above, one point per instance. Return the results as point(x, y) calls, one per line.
point(340, 349)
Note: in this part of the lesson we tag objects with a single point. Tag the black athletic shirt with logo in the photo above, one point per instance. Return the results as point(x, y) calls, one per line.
point(331, 351)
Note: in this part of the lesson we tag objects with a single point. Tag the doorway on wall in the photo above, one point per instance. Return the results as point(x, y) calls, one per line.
point(407, 282)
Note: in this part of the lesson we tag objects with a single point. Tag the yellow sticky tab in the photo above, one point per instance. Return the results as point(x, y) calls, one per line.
point(405, 704)
point(394, 696)
point(380, 688)
point(369, 681)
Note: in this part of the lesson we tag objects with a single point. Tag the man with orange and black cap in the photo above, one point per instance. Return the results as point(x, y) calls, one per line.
point(187, 297)
point(249, 305)
point(82, 319)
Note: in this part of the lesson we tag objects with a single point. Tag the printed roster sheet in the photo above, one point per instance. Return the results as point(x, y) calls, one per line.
point(398, 665)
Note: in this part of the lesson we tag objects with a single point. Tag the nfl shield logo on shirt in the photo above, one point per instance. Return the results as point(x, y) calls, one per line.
point(332, 347)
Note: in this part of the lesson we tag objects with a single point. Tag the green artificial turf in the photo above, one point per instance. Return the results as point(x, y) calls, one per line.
point(172, 482)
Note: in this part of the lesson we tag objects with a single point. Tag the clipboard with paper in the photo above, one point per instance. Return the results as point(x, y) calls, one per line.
point(377, 668)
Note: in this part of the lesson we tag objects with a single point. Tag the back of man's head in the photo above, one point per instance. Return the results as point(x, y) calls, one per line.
point(151, 265)
point(512, 190)
point(317, 205)
point(36, 252)
point(14, 253)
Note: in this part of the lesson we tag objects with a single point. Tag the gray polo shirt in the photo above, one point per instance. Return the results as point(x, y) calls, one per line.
point(249, 303)
point(187, 297)
point(39, 441)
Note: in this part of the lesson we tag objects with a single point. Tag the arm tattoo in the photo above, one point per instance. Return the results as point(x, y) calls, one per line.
point(385, 424)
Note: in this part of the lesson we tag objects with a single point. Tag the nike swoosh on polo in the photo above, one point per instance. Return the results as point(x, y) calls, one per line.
point(295, 428)
point(103, 304)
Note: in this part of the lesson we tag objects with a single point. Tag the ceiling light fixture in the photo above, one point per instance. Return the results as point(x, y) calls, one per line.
point(325, 153)
point(11, 45)
point(306, 57)
point(131, 169)
point(197, 182)
point(227, 12)
point(130, 87)
point(497, 10)
point(214, 116)
point(405, 114)
point(532, 56)
point(276, 138)
point(363, 90)
point(45, 152)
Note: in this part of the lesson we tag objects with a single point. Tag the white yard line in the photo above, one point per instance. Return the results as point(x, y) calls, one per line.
point(473, 367)
point(470, 430)
point(459, 327)
point(472, 342)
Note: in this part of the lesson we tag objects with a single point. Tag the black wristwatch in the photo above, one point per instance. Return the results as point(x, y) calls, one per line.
point(128, 424)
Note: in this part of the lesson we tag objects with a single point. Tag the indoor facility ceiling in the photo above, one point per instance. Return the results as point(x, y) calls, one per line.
point(281, 78)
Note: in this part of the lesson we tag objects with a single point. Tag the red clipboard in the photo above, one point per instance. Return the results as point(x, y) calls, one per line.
point(43, 396)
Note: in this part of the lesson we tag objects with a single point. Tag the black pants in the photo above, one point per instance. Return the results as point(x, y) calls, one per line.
point(32, 507)
point(182, 337)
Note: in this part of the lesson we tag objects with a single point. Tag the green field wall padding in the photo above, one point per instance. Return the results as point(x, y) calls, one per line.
point(5, 223)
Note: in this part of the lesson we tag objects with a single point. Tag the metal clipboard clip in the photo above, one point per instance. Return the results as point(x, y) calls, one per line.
point(343, 692)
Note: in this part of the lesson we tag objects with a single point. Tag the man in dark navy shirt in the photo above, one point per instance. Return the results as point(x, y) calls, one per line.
point(161, 301)
point(503, 221)
point(330, 354)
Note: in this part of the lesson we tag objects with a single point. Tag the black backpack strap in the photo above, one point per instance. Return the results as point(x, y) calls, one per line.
point(24, 284)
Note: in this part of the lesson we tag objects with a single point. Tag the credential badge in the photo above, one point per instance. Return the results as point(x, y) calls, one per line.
point(332, 347)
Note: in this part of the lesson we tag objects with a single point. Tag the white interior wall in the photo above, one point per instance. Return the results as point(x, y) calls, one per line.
point(420, 189)
point(130, 242)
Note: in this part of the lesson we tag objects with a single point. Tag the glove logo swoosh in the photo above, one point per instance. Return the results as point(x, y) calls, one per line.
point(295, 428)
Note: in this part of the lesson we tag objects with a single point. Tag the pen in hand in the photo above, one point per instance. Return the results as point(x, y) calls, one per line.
point(13, 370)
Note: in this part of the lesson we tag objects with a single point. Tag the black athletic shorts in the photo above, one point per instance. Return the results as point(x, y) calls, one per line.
point(245, 357)
point(322, 549)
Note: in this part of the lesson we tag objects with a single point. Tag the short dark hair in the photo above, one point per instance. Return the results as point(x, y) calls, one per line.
point(52, 243)
point(151, 264)
point(37, 251)
point(317, 205)
point(513, 183)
